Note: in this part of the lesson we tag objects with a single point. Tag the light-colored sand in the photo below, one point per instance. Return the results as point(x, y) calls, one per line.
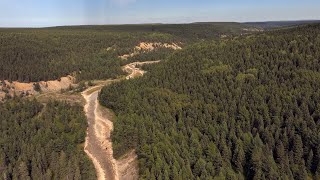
point(126, 56)
point(46, 86)
point(253, 29)
point(98, 144)
point(128, 165)
point(147, 47)
point(152, 46)
point(21, 86)
point(2, 95)
point(100, 172)
point(56, 85)
point(133, 71)
point(103, 128)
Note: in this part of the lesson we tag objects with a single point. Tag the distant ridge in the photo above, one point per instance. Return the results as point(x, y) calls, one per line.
point(277, 24)
point(257, 24)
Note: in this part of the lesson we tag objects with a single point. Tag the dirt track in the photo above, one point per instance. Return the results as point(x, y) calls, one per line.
point(98, 145)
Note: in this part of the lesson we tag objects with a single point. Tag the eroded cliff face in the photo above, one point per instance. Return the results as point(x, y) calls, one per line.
point(26, 89)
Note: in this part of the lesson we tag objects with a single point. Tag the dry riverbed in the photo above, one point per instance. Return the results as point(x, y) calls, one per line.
point(98, 145)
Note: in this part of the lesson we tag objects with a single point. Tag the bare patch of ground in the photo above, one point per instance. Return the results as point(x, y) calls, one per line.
point(71, 98)
point(126, 56)
point(133, 71)
point(26, 89)
point(2, 95)
point(147, 47)
point(98, 143)
point(128, 166)
point(152, 46)
point(253, 29)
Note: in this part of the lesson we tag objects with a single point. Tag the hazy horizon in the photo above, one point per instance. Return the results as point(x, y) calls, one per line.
point(160, 23)
point(37, 13)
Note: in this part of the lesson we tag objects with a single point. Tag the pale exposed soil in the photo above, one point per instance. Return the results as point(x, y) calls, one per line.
point(46, 86)
point(98, 143)
point(253, 29)
point(126, 56)
point(152, 46)
point(133, 71)
point(146, 47)
point(128, 165)
point(2, 95)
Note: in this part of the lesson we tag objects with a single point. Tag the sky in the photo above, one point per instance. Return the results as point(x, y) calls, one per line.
point(44, 13)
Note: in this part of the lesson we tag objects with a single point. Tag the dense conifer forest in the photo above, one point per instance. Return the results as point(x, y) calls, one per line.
point(242, 108)
point(43, 142)
point(41, 54)
point(89, 52)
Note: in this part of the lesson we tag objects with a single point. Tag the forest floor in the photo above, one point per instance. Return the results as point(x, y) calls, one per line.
point(98, 144)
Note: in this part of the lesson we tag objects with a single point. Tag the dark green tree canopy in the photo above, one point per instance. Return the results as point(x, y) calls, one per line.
point(243, 108)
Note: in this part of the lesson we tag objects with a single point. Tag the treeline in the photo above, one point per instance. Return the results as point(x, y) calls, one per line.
point(247, 108)
point(43, 142)
point(181, 32)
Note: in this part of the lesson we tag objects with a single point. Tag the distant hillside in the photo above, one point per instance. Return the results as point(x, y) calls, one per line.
point(92, 51)
point(201, 30)
point(277, 24)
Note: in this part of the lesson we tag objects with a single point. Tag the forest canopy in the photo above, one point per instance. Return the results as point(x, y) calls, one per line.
point(89, 52)
point(43, 142)
point(243, 108)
